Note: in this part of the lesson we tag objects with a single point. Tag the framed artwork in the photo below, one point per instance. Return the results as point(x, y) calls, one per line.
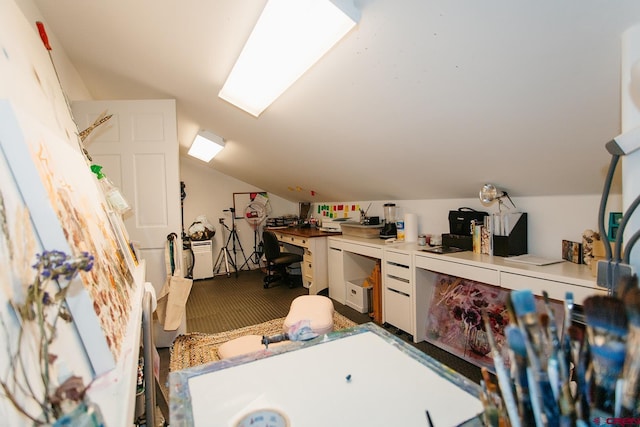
point(454, 319)
point(69, 213)
point(572, 251)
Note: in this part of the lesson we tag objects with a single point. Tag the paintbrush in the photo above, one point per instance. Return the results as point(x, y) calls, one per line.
point(568, 319)
point(547, 354)
point(503, 377)
point(518, 358)
point(494, 398)
point(558, 369)
point(583, 376)
point(607, 331)
point(524, 306)
point(631, 369)
point(490, 415)
point(571, 340)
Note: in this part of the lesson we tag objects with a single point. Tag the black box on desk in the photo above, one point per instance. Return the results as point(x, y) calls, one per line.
point(515, 243)
point(457, 241)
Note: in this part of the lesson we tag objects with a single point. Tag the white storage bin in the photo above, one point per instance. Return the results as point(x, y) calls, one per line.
point(203, 259)
point(357, 296)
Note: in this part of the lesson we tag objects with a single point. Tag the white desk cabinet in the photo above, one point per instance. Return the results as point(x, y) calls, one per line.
point(398, 294)
point(337, 285)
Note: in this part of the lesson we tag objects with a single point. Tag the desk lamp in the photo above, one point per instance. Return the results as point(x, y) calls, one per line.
point(489, 194)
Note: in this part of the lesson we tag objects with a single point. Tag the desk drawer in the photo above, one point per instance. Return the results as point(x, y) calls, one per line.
point(398, 284)
point(479, 274)
point(556, 290)
point(307, 268)
point(293, 240)
point(397, 310)
point(397, 270)
point(397, 258)
point(370, 251)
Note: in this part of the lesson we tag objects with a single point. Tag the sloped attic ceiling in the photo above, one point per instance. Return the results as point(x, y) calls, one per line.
point(422, 100)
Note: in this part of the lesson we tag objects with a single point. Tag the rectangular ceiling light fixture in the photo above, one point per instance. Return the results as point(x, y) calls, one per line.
point(289, 37)
point(206, 145)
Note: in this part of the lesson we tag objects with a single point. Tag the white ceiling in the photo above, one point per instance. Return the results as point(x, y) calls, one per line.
point(422, 100)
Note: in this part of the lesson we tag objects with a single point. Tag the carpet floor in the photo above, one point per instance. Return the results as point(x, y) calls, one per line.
point(225, 303)
point(197, 348)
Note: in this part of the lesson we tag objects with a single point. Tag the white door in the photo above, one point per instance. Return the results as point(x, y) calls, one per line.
point(138, 149)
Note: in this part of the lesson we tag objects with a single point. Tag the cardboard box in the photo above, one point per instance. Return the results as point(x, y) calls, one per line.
point(358, 230)
point(358, 296)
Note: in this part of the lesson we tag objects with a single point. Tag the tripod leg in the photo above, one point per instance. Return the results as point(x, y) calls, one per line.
point(255, 255)
point(237, 239)
point(228, 261)
point(218, 265)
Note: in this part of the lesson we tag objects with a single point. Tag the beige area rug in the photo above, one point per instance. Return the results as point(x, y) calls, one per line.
point(197, 348)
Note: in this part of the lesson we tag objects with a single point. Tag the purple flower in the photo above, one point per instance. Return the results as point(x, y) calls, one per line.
point(46, 298)
point(471, 317)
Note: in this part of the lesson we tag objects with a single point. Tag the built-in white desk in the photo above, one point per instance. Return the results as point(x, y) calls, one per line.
point(408, 274)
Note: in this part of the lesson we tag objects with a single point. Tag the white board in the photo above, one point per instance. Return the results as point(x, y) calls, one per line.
point(387, 388)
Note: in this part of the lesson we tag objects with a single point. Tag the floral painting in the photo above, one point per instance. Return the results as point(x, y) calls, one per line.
point(455, 323)
point(71, 211)
point(82, 212)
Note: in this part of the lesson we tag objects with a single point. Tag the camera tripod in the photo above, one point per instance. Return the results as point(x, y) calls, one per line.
point(225, 255)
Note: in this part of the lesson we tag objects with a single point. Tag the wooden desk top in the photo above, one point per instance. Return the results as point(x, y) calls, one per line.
point(304, 232)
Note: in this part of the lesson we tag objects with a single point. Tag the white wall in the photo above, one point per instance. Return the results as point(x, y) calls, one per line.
point(550, 219)
point(210, 192)
point(630, 94)
point(72, 85)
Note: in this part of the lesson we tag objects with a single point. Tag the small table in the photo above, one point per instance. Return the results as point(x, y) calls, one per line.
point(358, 376)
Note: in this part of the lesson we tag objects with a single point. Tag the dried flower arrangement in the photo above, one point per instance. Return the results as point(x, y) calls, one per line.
point(44, 397)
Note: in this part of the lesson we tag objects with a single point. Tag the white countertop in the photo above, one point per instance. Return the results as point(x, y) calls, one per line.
point(565, 271)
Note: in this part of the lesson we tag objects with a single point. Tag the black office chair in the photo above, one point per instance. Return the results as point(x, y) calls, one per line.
point(277, 261)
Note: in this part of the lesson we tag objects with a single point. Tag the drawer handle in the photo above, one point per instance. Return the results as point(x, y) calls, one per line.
point(398, 292)
point(353, 292)
point(336, 249)
point(398, 265)
point(398, 278)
